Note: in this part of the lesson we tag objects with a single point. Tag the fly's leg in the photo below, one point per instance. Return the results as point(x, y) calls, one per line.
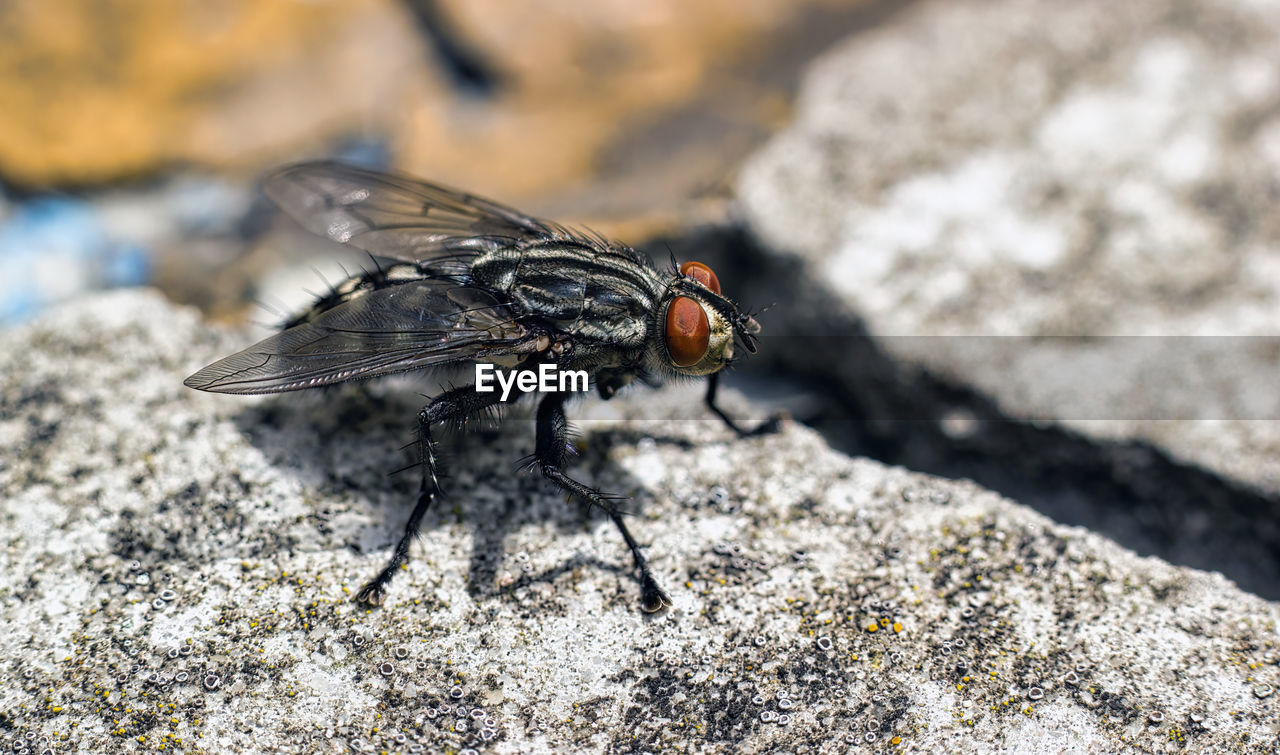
point(771, 425)
point(453, 406)
point(552, 449)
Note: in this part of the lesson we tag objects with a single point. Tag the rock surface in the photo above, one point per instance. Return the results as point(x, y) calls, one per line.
point(1067, 207)
point(177, 569)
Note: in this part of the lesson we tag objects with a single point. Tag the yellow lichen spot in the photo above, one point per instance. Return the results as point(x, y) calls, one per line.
point(897, 627)
point(959, 687)
point(872, 627)
point(895, 741)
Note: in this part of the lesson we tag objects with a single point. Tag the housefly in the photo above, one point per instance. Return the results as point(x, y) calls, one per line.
point(460, 281)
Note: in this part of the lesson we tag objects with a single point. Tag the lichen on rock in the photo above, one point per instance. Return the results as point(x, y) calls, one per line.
point(177, 570)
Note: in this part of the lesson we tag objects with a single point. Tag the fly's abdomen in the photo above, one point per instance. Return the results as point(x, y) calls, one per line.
point(355, 287)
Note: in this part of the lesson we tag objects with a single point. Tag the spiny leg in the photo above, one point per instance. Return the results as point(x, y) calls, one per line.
point(552, 448)
point(451, 406)
point(771, 425)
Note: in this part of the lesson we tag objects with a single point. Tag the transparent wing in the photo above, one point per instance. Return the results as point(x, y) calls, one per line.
point(397, 217)
point(404, 327)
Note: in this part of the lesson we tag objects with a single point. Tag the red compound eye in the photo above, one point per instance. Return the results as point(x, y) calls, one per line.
point(702, 274)
point(688, 331)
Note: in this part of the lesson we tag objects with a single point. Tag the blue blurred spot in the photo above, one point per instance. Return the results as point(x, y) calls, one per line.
point(54, 248)
point(128, 265)
point(366, 153)
point(16, 306)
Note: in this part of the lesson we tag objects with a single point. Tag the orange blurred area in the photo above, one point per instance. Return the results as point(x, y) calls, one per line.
point(96, 92)
point(612, 112)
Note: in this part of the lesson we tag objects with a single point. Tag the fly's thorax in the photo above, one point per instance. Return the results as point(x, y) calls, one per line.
point(587, 292)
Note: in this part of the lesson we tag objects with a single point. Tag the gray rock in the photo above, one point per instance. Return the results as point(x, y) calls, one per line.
point(1069, 207)
point(176, 569)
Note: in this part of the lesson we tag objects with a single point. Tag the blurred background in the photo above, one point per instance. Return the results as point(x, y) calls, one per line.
point(133, 132)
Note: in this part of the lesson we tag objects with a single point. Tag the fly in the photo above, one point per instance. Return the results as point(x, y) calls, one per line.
point(462, 281)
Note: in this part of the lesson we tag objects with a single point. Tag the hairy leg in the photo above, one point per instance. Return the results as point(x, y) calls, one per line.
point(552, 449)
point(452, 406)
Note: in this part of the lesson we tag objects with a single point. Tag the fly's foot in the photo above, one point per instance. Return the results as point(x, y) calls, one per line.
point(372, 594)
point(652, 598)
point(768, 427)
point(771, 425)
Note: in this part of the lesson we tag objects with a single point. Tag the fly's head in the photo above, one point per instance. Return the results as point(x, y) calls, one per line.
point(699, 325)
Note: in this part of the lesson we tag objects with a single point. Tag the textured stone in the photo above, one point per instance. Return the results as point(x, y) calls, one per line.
point(176, 569)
